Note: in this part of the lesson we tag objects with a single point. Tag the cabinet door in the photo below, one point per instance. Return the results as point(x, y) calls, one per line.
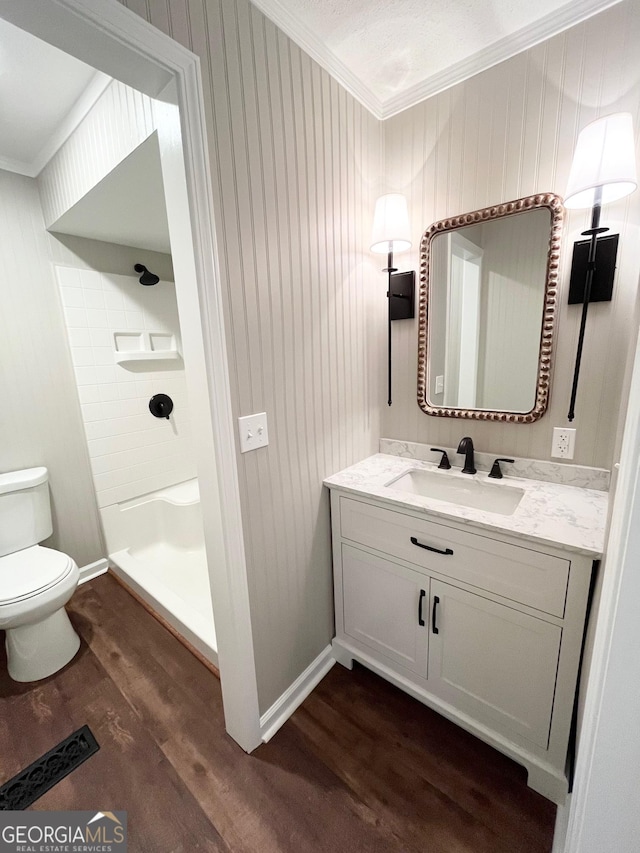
point(492, 662)
point(383, 603)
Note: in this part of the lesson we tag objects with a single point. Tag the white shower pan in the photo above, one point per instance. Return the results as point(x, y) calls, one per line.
point(164, 559)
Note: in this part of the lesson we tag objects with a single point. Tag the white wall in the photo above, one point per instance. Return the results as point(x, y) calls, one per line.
point(501, 135)
point(41, 422)
point(296, 168)
point(132, 452)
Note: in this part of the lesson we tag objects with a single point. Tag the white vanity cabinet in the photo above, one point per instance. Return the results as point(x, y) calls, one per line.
point(485, 629)
point(493, 662)
point(381, 604)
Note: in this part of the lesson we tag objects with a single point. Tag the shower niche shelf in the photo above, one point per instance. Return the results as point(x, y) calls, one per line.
point(144, 346)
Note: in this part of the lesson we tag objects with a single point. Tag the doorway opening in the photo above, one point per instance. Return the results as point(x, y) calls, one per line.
point(119, 44)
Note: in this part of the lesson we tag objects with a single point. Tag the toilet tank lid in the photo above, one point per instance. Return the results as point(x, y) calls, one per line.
point(16, 480)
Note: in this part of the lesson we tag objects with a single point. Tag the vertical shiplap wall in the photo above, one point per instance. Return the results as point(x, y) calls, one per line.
point(296, 164)
point(40, 422)
point(117, 123)
point(507, 133)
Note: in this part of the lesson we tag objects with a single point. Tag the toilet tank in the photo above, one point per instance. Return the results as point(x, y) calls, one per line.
point(25, 511)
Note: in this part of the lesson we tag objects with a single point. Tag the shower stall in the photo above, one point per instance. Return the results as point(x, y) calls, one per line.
point(104, 202)
point(120, 306)
point(125, 342)
point(164, 559)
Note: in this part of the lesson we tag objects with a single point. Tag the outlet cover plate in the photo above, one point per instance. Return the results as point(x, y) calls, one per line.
point(253, 432)
point(564, 442)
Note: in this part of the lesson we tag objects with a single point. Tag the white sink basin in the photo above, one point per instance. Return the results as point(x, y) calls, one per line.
point(464, 491)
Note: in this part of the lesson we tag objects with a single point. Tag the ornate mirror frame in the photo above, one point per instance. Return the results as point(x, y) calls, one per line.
point(554, 204)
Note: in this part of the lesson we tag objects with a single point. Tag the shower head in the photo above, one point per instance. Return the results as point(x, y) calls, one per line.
point(146, 277)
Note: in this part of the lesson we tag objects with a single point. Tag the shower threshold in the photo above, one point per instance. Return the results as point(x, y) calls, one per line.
point(175, 583)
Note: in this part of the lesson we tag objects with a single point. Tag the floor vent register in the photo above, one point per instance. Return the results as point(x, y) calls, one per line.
point(38, 778)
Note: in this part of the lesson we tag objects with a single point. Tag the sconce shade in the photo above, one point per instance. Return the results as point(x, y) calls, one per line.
point(604, 157)
point(390, 232)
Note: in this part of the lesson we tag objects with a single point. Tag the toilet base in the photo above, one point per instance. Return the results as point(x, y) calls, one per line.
point(38, 650)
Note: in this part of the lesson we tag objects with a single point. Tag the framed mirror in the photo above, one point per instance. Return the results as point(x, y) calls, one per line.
point(488, 289)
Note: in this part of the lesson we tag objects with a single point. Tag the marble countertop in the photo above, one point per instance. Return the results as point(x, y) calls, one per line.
point(549, 513)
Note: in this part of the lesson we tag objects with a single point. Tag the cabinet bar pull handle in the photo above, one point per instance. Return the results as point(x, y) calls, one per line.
point(421, 599)
point(434, 627)
point(446, 551)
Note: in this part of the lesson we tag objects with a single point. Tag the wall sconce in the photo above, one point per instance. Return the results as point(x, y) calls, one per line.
point(603, 170)
point(390, 233)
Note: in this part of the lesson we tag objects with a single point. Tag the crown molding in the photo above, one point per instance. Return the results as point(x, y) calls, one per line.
point(510, 45)
point(31, 169)
point(306, 39)
point(19, 167)
point(565, 17)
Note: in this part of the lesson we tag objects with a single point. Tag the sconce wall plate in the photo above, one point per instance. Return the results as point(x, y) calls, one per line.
point(603, 274)
point(402, 295)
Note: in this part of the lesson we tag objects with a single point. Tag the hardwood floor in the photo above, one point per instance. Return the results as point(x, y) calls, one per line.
point(360, 767)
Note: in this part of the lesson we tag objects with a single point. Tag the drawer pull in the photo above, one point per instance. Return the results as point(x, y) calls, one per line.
point(434, 627)
point(447, 551)
point(420, 616)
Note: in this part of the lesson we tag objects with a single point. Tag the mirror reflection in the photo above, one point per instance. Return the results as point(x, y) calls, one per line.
point(486, 286)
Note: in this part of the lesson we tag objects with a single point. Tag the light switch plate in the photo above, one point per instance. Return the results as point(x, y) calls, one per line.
point(253, 432)
point(439, 385)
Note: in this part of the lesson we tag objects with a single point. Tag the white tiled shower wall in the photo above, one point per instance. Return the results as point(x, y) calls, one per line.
point(132, 452)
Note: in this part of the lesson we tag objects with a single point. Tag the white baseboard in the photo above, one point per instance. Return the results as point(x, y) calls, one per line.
point(295, 695)
point(92, 570)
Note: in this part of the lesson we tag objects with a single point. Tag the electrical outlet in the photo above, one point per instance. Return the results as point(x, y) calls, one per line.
point(439, 384)
point(564, 441)
point(253, 432)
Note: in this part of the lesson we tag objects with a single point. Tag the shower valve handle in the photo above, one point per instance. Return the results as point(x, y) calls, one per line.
point(161, 406)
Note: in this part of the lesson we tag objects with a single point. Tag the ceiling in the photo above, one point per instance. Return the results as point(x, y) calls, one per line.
point(44, 95)
point(391, 54)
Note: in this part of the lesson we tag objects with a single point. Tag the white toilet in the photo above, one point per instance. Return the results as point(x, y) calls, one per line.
point(35, 582)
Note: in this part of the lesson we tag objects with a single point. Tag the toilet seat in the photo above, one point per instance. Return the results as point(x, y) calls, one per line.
point(28, 572)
